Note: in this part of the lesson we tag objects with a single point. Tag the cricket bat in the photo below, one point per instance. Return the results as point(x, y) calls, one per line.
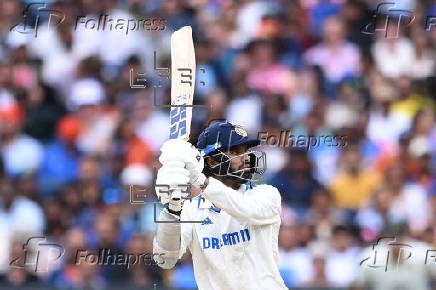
point(182, 86)
point(182, 82)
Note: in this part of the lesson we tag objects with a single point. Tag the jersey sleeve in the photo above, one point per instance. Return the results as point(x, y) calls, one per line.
point(258, 206)
point(171, 239)
point(186, 233)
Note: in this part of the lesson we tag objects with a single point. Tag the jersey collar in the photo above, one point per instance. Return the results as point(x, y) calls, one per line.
point(246, 186)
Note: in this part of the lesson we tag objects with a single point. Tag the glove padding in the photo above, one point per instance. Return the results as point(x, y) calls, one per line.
point(177, 150)
point(170, 181)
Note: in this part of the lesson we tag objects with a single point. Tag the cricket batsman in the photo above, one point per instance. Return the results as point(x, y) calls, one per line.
point(236, 245)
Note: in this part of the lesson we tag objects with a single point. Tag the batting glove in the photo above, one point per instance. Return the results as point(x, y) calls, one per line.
point(171, 180)
point(177, 150)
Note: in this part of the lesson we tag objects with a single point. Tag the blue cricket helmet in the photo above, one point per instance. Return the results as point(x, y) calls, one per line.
point(224, 135)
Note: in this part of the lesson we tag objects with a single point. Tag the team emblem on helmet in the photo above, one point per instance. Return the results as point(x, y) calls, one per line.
point(239, 130)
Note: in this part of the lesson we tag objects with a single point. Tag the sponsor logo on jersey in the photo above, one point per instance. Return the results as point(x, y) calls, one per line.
point(228, 239)
point(206, 221)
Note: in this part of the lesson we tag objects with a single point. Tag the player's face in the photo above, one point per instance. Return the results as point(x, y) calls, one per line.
point(238, 163)
point(239, 160)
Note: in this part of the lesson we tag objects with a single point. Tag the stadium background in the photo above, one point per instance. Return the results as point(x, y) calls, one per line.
point(74, 137)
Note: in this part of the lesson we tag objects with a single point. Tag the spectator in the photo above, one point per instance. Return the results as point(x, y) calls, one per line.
point(320, 279)
point(374, 219)
point(341, 263)
point(267, 75)
point(410, 202)
point(393, 54)
point(384, 125)
point(144, 272)
point(337, 58)
point(323, 215)
point(295, 261)
point(353, 185)
point(424, 64)
point(43, 113)
point(20, 153)
point(61, 157)
point(296, 182)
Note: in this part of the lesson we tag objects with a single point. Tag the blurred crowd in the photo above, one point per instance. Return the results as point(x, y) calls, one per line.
point(76, 140)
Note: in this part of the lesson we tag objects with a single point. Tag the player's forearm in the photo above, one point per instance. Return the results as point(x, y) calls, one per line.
point(167, 240)
point(263, 208)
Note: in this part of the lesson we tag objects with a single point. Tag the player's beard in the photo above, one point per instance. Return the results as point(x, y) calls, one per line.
point(243, 173)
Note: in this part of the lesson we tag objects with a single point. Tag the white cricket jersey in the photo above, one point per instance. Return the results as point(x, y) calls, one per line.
point(237, 246)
